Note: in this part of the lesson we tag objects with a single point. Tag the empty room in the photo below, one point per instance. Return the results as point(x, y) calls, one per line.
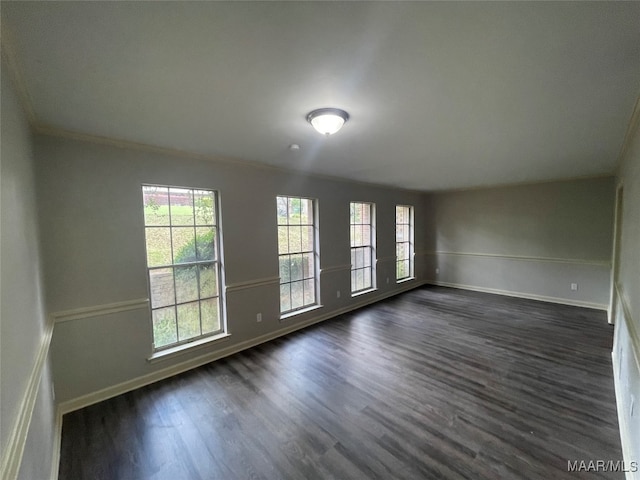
point(319, 240)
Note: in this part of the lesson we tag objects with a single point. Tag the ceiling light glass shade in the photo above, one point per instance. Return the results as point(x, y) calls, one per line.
point(328, 121)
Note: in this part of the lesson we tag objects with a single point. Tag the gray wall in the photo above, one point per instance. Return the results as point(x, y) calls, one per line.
point(528, 240)
point(626, 349)
point(92, 220)
point(22, 313)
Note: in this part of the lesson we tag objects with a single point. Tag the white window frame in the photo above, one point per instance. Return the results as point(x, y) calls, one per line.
point(403, 244)
point(215, 263)
point(365, 249)
point(285, 257)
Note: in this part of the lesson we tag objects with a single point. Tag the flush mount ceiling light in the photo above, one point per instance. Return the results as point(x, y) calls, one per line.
point(328, 121)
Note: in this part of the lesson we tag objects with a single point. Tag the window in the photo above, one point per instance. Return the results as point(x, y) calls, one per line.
point(404, 242)
point(182, 239)
point(297, 253)
point(362, 246)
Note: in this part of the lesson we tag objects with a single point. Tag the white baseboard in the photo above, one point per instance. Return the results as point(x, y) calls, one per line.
point(12, 456)
point(135, 383)
point(528, 296)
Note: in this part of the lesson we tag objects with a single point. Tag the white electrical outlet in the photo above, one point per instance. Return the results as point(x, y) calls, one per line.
point(387, 280)
point(437, 271)
point(338, 294)
point(574, 287)
point(259, 317)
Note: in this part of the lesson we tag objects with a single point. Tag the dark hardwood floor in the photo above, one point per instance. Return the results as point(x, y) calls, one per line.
point(434, 383)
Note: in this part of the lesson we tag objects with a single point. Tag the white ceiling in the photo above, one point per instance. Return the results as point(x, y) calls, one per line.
point(441, 95)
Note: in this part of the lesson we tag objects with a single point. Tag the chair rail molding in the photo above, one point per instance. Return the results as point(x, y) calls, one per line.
point(99, 310)
point(527, 258)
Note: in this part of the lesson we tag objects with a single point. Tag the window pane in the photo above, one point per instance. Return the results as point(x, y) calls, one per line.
point(282, 210)
point(307, 265)
point(156, 205)
point(353, 281)
point(366, 213)
point(295, 205)
point(297, 298)
point(210, 316)
point(360, 235)
point(161, 286)
point(405, 251)
point(295, 240)
point(401, 214)
point(356, 208)
point(353, 258)
point(204, 204)
point(181, 201)
point(208, 280)
point(306, 211)
point(400, 270)
point(296, 267)
point(184, 244)
point(186, 284)
point(368, 252)
point(283, 239)
point(285, 297)
point(359, 258)
point(309, 292)
point(367, 281)
point(205, 243)
point(366, 235)
point(164, 326)
point(352, 213)
point(359, 279)
point(158, 246)
point(307, 239)
point(188, 321)
point(285, 269)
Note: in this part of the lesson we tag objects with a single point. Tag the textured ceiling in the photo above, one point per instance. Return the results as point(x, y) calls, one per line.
point(441, 95)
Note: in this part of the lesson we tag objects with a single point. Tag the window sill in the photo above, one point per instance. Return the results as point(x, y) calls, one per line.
point(408, 279)
point(295, 313)
point(363, 292)
point(187, 347)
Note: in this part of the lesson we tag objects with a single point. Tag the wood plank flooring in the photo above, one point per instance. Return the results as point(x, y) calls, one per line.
point(434, 383)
